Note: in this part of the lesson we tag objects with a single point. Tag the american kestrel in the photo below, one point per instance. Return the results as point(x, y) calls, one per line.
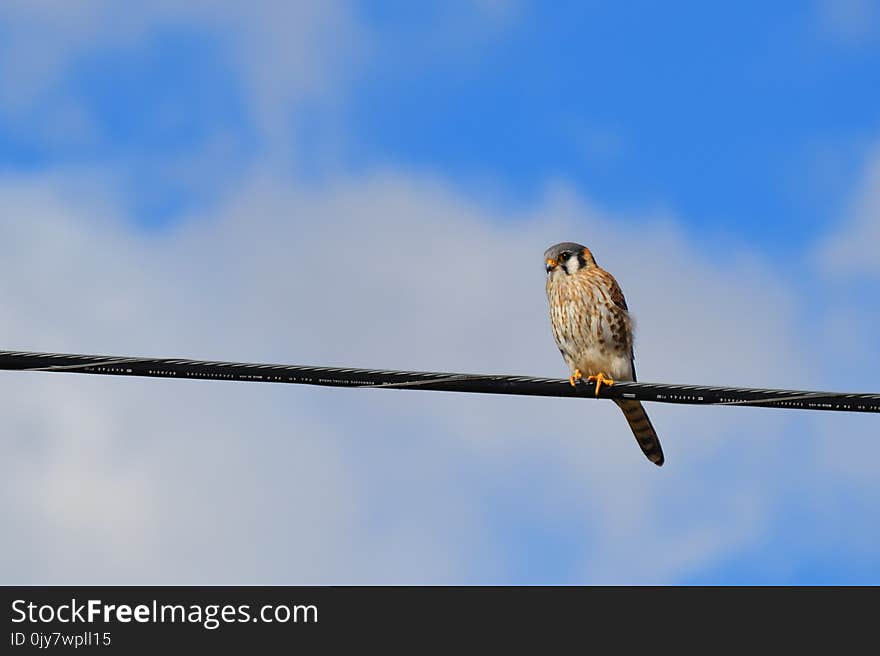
point(594, 331)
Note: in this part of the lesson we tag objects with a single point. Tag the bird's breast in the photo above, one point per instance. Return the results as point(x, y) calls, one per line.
point(592, 332)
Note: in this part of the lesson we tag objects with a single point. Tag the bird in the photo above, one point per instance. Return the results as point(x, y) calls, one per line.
point(594, 331)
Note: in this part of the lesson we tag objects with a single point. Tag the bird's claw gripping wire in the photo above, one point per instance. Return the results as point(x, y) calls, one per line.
point(600, 379)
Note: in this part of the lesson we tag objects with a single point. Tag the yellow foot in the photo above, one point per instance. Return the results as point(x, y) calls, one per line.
point(573, 379)
point(600, 379)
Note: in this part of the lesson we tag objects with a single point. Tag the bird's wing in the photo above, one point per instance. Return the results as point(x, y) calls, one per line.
point(616, 293)
point(617, 297)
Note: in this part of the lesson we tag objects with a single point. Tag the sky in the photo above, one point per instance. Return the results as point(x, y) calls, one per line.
point(374, 184)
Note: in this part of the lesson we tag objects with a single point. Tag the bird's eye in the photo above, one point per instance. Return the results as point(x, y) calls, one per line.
point(564, 255)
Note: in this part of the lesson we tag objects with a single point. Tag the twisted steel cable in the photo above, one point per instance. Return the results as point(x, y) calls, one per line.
point(427, 380)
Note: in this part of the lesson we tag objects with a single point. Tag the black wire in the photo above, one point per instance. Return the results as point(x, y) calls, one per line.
point(424, 380)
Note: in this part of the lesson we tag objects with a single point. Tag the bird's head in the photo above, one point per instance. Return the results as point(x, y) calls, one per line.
point(567, 258)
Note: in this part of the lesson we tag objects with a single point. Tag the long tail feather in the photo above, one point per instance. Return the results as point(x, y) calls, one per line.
point(641, 427)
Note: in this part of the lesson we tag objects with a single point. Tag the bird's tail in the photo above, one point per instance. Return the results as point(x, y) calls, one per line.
point(641, 427)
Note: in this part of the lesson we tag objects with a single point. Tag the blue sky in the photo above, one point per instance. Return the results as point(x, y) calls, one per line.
point(735, 118)
point(725, 161)
point(718, 113)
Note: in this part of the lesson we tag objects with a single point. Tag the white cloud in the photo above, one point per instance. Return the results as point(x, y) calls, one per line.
point(849, 22)
point(287, 53)
point(855, 248)
point(147, 481)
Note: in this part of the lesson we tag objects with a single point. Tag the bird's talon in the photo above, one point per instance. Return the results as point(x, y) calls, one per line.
point(575, 377)
point(600, 379)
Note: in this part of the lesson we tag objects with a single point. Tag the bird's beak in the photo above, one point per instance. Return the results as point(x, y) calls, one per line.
point(550, 264)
